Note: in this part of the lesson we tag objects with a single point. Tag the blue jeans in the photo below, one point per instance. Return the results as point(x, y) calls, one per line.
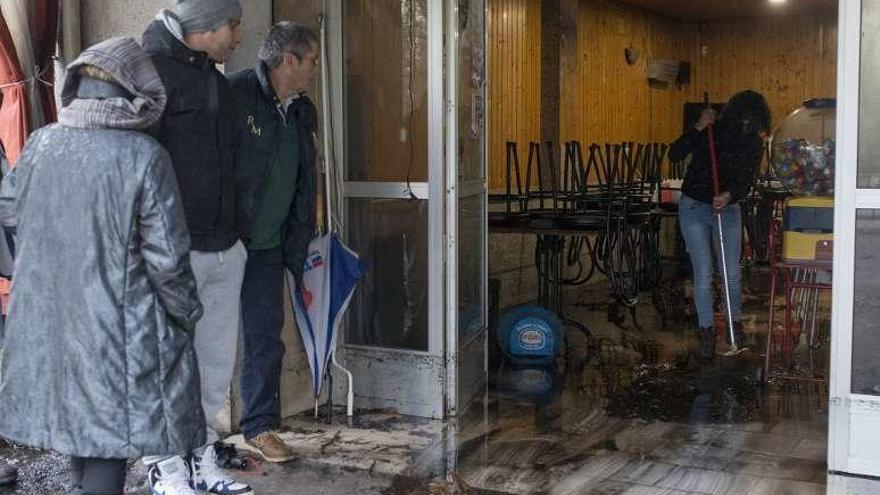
point(262, 308)
point(699, 227)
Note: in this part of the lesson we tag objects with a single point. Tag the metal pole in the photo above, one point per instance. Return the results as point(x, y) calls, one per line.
point(733, 347)
point(330, 172)
point(325, 110)
point(718, 212)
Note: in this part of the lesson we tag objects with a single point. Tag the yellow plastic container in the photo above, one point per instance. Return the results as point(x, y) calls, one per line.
point(808, 229)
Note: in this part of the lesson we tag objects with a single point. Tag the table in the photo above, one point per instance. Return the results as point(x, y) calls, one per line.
point(791, 284)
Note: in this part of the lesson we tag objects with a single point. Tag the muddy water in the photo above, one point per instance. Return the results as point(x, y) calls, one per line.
point(666, 393)
point(629, 408)
point(624, 408)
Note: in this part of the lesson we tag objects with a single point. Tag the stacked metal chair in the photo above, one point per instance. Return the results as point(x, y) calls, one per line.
point(606, 204)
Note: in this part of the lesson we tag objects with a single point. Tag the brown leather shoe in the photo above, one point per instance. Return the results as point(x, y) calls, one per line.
point(271, 447)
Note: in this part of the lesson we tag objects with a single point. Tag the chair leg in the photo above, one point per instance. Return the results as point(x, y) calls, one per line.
point(769, 342)
point(787, 342)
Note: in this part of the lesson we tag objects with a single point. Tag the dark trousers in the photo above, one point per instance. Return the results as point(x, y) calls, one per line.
point(262, 309)
point(92, 476)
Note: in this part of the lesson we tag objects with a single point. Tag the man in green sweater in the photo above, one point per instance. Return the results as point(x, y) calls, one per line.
point(276, 182)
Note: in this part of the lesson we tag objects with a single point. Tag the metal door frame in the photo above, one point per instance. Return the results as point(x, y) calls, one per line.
point(853, 418)
point(469, 357)
point(411, 381)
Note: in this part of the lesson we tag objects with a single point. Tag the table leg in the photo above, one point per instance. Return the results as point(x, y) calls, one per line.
point(769, 343)
point(787, 343)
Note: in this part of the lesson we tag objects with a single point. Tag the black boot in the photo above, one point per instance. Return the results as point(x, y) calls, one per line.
point(738, 334)
point(706, 347)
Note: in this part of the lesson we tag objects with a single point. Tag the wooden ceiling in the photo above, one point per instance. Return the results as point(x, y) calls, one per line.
point(705, 10)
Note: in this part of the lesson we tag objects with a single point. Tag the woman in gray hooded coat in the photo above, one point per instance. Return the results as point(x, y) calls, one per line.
point(98, 361)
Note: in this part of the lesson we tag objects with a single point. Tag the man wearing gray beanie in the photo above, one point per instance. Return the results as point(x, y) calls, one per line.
point(201, 16)
point(201, 131)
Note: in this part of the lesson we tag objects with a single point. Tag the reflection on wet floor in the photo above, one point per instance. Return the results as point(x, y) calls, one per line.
point(628, 411)
point(625, 411)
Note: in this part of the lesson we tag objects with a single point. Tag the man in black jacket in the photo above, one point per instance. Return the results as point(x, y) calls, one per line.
point(201, 132)
point(276, 184)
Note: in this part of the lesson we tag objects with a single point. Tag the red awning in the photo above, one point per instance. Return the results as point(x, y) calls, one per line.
point(36, 29)
point(14, 116)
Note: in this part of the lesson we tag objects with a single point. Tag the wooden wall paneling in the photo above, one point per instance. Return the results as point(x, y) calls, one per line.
point(497, 83)
point(497, 80)
point(618, 104)
point(499, 51)
point(787, 60)
point(529, 77)
point(508, 98)
point(828, 83)
point(813, 38)
point(672, 40)
point(518, 32)
point(606, 100)
point(522, 82)
point(531, 74)
point(503, 52)
point(491, 71)
point(511, 100)
point(514, 86)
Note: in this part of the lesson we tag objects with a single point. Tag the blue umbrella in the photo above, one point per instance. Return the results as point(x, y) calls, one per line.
point(330, 276)
point(331, 270)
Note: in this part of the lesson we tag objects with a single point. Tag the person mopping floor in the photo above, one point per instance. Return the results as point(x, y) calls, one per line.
point(709, 212)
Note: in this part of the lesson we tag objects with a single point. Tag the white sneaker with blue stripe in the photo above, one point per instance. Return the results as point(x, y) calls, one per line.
point(170, 477)
point(207, 477)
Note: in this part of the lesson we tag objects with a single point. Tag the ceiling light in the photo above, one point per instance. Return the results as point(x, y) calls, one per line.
point(777, 1)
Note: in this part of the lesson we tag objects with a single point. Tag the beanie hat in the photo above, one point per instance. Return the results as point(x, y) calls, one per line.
point(201, 16)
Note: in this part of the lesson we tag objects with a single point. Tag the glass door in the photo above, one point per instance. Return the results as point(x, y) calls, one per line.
point(411, 78)
point(389, 69)
point(854, 440)
point(466, 203)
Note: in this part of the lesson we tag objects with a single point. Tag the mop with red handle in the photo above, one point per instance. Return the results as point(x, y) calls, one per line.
point(713, 157)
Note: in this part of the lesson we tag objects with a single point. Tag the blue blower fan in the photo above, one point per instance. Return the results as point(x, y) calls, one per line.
point(530, 335)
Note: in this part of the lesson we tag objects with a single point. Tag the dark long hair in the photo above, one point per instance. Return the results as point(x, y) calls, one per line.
point(746, 115)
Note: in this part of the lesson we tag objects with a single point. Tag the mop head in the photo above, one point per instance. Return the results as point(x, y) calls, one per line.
point(735, 350)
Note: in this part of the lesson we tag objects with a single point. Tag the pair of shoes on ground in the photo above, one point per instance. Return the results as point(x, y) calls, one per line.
point(174, 477)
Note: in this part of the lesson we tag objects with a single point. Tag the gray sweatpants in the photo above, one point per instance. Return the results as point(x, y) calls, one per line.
point(219, 276)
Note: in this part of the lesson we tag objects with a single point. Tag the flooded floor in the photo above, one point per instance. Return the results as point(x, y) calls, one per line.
point(630, 412)
point(623, 411)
